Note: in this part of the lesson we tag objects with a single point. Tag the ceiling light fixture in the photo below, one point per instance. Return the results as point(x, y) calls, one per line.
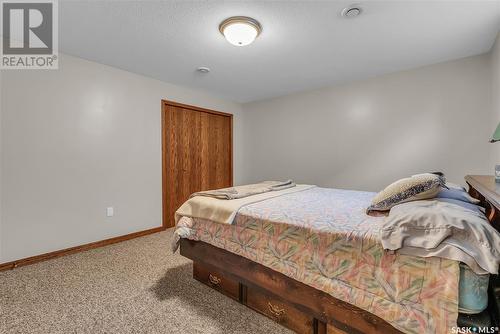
point(351, 11)
point(240, 30)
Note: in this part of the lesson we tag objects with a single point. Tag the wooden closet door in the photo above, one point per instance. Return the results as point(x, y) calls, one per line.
point(216, 165)
point(197, 154)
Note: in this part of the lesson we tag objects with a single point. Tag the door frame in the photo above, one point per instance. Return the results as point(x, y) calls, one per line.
point(165, 143)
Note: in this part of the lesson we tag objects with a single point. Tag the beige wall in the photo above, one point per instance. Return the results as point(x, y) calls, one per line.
point(366, 134)
point(78, 140)
point(495, 98)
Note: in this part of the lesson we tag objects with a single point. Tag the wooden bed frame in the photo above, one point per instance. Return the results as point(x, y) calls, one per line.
point(293, 304)
point(296, 305)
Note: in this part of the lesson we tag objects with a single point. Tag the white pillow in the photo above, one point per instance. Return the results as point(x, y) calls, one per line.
point(443, 229)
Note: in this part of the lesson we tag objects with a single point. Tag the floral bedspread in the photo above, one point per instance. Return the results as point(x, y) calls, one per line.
point(322, 237)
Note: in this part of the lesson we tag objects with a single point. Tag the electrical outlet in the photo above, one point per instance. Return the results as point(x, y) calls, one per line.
point(110, 212)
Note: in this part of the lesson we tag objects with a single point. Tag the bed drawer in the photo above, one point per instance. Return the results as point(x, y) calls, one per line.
point(280, 312)
point(217, 280)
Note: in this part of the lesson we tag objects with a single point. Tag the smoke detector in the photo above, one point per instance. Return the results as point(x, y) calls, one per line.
point(203, 69)
point(351, 11)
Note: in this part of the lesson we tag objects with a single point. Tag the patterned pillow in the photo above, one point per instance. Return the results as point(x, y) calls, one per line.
point(440, 174)
point(417, 187)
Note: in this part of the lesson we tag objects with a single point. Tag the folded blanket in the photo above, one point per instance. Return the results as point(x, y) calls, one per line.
point(246, 190)
point(224, 211)
point(443, 229)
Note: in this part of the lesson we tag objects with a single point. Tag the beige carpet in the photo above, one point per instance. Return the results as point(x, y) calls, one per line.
point(136, 286)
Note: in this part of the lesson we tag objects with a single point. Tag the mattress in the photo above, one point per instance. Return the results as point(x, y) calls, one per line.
point(322, 237)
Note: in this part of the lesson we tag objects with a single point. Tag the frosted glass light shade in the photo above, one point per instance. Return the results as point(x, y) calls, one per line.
point(240, 30)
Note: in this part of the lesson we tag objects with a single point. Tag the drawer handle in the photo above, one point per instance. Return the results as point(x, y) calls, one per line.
point(276, 311)
point(214, 279)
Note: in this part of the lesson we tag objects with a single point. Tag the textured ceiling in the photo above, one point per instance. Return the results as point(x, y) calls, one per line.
point(304, 45)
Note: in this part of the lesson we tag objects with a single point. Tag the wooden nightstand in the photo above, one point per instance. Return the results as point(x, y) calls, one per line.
point(484, 188)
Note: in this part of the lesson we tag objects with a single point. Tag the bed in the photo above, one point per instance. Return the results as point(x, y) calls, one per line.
point(312, 261)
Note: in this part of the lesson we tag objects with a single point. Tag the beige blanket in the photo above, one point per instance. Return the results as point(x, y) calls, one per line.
point(223, 210)
point(246, 190)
